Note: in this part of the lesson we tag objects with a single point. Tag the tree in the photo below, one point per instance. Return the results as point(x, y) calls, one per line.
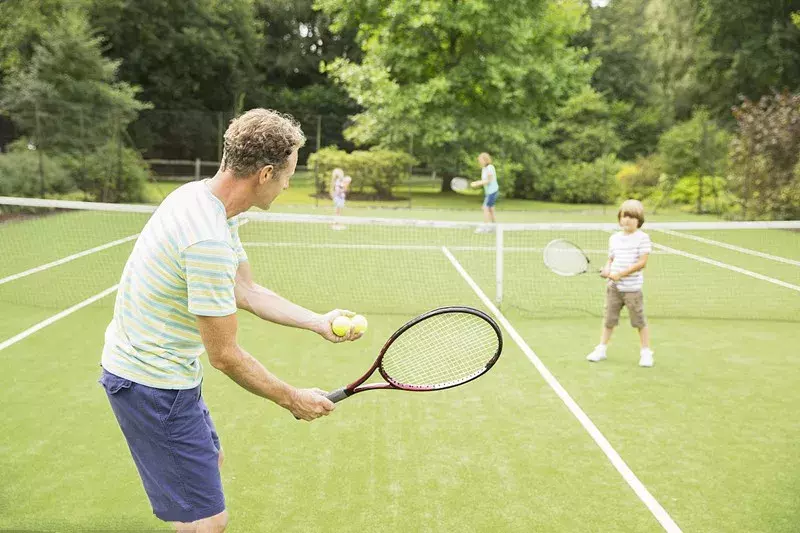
point(458, 77)
point(627, 71)
point(68, 101)
point(766, 156)
point(755, 50)
point(67, 97)
point(696, 148)
point(184, 55)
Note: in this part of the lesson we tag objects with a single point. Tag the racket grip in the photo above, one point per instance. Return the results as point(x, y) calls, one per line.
point(338, 395)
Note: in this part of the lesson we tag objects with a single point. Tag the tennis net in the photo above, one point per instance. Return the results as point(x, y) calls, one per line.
point(58, 253)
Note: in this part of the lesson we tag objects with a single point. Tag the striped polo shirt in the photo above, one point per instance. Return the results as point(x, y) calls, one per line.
point(183, 264)
point(626, 249)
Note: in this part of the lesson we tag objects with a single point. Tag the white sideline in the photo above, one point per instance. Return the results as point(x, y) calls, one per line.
point(731, 247)
point(67, 259)
point(66, 312)
point(627, 474)
point(726, 266)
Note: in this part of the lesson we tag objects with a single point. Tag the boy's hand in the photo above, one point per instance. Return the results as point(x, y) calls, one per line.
point(604, 273)
point(614, 277)
point(475, 184)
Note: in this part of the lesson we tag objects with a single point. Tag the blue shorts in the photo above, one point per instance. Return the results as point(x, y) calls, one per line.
point(490, 199)
point(174, 445)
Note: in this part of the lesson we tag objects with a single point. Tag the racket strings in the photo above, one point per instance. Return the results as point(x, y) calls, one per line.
point(441, 351)
point(565, 258)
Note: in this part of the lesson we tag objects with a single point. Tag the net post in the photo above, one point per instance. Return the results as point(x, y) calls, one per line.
point(498, 264)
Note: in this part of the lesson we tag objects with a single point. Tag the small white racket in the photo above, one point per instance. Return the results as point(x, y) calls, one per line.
point(459, 184)
point(567, 259)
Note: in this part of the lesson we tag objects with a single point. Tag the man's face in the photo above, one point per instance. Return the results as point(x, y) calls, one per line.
point(272, 182)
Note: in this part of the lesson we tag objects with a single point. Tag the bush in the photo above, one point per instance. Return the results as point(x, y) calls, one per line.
point(377, 169)
point(584, 183)
point(639, 180)
point(111, 174)
point(20, 176)
point(683, 193)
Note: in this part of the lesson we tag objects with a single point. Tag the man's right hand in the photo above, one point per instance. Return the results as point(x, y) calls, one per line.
point(310, 404)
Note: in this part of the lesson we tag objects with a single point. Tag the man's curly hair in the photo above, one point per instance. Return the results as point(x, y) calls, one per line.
point(258, 138)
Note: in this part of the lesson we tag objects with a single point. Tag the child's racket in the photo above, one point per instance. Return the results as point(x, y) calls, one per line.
point(567, 259)
point(440, 349)
point(459, 184)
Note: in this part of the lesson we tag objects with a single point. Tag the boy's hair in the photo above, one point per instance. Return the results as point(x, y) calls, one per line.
point(259, 138)
point(486, 157)
point(632, 208)
point(337, 173)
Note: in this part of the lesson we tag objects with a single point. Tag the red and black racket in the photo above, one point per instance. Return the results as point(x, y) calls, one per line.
point(440, 349)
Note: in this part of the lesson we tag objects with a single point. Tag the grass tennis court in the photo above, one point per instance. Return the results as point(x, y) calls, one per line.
point(710, 431)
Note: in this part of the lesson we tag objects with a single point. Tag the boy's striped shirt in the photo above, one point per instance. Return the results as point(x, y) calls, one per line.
point(627, 249)
point(184, 264)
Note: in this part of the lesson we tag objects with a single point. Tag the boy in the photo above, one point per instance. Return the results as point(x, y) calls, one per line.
point(628, 251)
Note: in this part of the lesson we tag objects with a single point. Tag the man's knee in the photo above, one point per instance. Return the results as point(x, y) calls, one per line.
point(218, 522)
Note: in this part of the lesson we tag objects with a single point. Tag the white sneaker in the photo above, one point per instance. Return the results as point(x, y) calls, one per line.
point(646, 358)
point(597, 355)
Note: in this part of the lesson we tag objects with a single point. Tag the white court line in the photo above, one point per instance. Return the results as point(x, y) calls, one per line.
point(66, 312)
point(67, 259)
point(727, 267)
point(731, 247)
point(627, 474)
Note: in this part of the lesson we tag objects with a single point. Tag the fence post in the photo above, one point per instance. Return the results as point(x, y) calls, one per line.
point(197, 169)
point(703, 168)
point(120, 168)
point(39, 145)
point(316, 161)
point(410, 168)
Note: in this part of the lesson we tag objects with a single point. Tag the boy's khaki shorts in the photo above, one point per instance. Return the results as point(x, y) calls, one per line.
point(634, 301)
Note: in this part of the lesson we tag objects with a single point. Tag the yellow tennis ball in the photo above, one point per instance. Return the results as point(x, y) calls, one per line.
point(341, 325)
point(359, 324)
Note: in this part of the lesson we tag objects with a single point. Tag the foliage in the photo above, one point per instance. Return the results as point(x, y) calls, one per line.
point(583, 129)
point(640, 179)
point(755, 50)
point(696, 146)
point(111, 173)
point(67, 98)
point(22, 175)
point(377, 169)
point(765, 156)
point(585, 183)
point(448, 75)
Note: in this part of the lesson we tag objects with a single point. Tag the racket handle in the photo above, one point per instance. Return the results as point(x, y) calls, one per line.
point(338, 395)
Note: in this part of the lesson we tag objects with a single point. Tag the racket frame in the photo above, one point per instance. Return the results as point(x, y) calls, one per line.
point(390, 384)
point(459, 188)
point(589, 266)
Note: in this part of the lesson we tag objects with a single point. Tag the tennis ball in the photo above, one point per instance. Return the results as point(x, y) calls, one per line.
point(359, 324)
point(341, 325)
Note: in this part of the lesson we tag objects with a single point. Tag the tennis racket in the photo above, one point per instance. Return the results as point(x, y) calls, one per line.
point(437, 350)
point(459, 184)
point(567, 259)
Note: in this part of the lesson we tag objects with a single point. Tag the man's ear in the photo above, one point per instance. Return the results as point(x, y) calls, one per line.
point(265, 174)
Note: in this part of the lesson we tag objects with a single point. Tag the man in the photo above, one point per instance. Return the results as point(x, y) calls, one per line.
point(178, 297)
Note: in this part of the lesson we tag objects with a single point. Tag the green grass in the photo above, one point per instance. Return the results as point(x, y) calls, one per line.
point(711, 430)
